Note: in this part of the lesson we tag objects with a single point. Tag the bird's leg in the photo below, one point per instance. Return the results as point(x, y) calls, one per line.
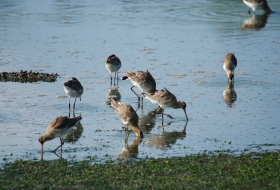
point(69, 103)
point(135, 93)
point(158, 109)
point(61, 143)
point(74, 105)
point(111, 78)
point(168, 116)
point(117, 76)
point(249, 12)
point(162, 116)
point(115, 79)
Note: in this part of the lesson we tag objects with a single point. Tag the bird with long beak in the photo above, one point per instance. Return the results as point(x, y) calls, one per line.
point(165, 99)
point(59, 127)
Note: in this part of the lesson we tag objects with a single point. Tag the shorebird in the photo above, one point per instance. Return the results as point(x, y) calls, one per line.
point(73, 89)
point(113, 64)
point(143, 80)
point(59, 127)
point(230, 63)
point(127, 115)
point(257, 4)
point(165, 99)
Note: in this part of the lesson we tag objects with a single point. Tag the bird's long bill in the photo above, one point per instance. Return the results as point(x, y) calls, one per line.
point(186, 114)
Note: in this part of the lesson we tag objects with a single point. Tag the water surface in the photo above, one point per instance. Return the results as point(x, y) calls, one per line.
point(181, 43)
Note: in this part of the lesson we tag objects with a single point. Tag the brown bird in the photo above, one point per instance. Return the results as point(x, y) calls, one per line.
point(127, 115)
point(257, 4)
point(230, 63)
point(143, 80)
point(113, 64)
point(165, 99)
point(59, 127)
point(74, 89)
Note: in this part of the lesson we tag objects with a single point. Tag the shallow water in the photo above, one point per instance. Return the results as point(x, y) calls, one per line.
point(181, 43)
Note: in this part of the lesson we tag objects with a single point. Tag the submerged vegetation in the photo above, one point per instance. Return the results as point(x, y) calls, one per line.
point(222, 171)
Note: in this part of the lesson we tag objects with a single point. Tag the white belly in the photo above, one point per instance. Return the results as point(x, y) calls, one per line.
point(73, 93)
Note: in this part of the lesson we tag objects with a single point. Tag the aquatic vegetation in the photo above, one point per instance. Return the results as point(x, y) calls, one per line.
point(27, 76)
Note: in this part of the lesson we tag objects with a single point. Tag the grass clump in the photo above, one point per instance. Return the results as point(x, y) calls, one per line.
point(247, 171)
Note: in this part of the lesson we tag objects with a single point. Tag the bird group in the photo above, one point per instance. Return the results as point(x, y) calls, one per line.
point(60, 126)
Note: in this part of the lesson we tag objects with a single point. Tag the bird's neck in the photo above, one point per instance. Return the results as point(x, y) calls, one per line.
point(136, 130)
point(46, 137)
point(177, 105)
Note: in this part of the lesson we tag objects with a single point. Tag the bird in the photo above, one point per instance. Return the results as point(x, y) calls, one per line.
point(128, 116)
point(74, 89)
point(113, 64)
point(257, 4)
point(59, 127)
point(165, 99)
point(229, 64)
point(143, 80)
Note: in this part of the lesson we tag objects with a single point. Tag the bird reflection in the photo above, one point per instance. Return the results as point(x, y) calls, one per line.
point(58, 155)
point(255, 22)
point(132, 150)
point(229, 94)
point(147, 122)
point(75, 134)
point(113, 93)
point(166, 139)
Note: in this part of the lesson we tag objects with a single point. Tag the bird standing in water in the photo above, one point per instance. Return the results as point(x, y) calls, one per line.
point(113, 64)
point(229, 64)
point(128, 116)
point(165, 99)
point(74, 89)
point(143, 80)
point(59, 127)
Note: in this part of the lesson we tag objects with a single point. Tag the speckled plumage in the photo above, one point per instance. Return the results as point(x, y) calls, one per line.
point(143, 80)
point(229, 65)
point(59, 127)
point(128, 115)
point(164, 99)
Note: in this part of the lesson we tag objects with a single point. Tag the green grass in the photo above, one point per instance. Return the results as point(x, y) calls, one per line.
point(248, 171)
